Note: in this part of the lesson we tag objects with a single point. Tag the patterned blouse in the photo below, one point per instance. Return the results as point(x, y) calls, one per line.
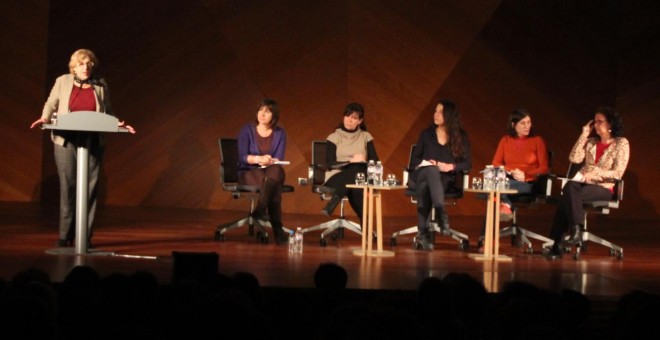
point(611, 165)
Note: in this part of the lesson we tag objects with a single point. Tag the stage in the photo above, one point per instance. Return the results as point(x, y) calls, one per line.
point(132, 239)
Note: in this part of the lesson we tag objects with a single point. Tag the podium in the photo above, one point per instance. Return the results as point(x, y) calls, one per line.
point(83, 122)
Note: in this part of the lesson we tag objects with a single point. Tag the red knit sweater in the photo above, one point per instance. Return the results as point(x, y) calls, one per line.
point(528, 154)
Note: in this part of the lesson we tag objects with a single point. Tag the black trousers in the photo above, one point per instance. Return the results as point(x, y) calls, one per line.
point(570, 211)
point(66, 161)
point(430, 186)
point(347, 176)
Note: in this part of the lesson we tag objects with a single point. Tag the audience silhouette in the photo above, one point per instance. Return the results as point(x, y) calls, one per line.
point(87, 305)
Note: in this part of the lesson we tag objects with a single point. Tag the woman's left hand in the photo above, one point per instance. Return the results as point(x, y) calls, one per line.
point(445, 167)
point(590, 178)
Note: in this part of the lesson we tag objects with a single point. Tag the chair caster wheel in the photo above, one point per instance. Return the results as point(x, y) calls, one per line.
point(262, 237)
point(323, 242)
point(464, 245)
point(393, 242)
point(219, 236)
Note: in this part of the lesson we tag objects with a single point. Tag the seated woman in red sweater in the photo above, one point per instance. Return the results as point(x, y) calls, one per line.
point(523, 155)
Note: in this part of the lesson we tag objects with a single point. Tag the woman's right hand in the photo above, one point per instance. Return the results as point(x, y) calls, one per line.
point(358, 158)
point(586, 129)
point(518, 175)
point(38, 122)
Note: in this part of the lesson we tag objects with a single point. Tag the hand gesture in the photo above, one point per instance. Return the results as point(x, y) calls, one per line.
point(586, 129)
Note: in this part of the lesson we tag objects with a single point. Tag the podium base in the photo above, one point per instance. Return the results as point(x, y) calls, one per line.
point(72, 251)
point(482, 257)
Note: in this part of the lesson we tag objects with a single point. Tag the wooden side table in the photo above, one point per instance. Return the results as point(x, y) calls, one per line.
point(492, 237)
point(373, 205)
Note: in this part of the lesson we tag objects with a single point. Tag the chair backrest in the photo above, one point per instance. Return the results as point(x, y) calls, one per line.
point(452, 192)
point(319, 165)
point(228, 163)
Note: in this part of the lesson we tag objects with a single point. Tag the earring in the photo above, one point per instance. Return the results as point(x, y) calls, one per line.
point(610, 130)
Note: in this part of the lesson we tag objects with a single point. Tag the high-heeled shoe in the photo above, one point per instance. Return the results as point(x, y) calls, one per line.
point(554, 252)
point(576, 235)
point(423, 241)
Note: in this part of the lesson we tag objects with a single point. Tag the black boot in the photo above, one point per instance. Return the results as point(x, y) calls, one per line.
point(443, 221)
point(555, 252)
point(332, 204)
point(266, 192)
point(423, 240)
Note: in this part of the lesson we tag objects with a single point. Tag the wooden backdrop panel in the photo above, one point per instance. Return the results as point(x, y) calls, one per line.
point(186, 73)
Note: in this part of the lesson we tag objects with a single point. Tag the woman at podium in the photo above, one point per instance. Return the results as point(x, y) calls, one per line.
point(76, 91)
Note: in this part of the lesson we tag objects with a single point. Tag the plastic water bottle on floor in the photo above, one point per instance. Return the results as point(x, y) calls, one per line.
point(298, 241)
point(292, 241)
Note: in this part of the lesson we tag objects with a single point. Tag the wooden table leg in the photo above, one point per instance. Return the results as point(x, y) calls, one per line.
point(379, 222)
point(365, 219)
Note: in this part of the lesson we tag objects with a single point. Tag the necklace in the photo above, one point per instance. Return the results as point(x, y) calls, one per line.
point(80, 81)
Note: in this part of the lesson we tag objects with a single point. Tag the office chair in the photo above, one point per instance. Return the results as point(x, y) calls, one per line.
point(317, 176)
point(594, 207)
point(541, 194)
point(229, 177)
point(452, 195)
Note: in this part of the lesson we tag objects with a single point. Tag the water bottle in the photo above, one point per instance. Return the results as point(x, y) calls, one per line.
point(501, 178)
point(292, 242)
point(379, 173)
point(371, 169)
point(298, 241)
point(489, 174)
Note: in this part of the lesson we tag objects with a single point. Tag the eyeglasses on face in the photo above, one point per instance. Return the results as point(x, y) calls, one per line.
point(89, 64)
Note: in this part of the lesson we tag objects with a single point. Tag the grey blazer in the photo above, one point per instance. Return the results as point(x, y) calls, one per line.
point(58, 101)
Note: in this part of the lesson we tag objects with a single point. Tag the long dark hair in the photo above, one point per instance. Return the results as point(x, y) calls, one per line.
point(516, 116)
point(453, 127)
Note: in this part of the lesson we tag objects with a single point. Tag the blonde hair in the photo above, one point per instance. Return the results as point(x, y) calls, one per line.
point(82, 55)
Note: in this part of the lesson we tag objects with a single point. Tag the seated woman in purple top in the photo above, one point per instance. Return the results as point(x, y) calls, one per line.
point(260, 145)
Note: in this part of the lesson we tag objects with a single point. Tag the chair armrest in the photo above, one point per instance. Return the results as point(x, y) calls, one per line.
point(544, 184)
point(466, 179)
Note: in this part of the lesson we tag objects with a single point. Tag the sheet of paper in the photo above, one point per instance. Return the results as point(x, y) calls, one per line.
point(424, 163)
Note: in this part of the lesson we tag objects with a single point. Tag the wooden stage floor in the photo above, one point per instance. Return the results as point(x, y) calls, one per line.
point(132, 239)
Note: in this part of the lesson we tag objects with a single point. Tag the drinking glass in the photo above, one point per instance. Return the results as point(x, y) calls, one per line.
point(476, 183)
point(360, 178)
point(391, 180)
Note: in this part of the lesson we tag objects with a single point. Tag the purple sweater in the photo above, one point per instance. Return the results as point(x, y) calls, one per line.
point(247, 145)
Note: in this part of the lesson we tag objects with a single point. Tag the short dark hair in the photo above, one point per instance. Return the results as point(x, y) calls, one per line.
point(613, 118)
point(516, 116)
point(357, 108)
point(274, 109)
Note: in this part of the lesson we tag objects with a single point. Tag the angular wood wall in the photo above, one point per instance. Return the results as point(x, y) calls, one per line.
point(185, 73)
